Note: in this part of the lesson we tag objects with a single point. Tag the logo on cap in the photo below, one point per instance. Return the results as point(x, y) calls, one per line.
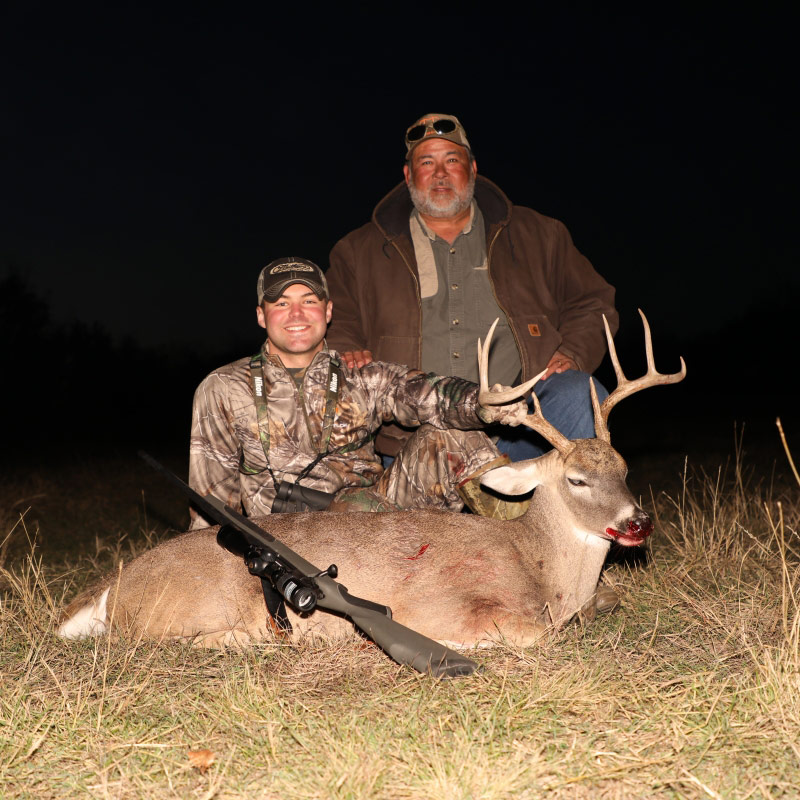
point(292, 266)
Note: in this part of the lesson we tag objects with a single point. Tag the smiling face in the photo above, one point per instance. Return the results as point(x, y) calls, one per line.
point(440, 178)
point(295, 323)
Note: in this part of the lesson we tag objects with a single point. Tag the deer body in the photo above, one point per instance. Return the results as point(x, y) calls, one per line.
point(458, 578)
point(461, 579)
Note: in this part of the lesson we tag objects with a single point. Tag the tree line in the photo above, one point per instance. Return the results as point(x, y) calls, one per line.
point(68, 384)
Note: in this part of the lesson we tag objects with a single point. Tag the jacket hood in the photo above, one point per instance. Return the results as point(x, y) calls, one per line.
point(392, 213)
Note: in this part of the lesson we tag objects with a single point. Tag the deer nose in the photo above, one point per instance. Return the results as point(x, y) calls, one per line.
point(640, 527)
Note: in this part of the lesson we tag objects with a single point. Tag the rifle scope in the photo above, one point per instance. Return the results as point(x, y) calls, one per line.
point(297, 589)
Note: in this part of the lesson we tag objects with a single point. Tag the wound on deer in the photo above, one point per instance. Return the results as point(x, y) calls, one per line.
point(421, 551)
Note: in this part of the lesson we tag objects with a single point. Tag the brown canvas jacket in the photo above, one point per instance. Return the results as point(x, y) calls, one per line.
point(225, 431)
point(552, 296)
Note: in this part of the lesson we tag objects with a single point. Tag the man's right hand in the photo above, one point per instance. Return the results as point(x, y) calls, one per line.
point(513, 413)
point(355, 359)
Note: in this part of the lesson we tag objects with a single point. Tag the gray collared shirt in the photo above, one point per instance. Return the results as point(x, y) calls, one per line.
point(459, 305)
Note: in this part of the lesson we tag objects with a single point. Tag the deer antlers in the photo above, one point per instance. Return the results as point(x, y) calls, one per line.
point(625, 387)
point(538, 423)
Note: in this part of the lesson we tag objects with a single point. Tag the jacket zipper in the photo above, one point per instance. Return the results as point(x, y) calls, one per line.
point(419, 303)
point(302, 398)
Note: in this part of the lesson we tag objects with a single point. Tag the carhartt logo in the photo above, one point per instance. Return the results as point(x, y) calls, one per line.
point(533, 330)
point(292, 266)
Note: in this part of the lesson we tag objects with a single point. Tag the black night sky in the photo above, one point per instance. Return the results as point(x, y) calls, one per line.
point(154, 158)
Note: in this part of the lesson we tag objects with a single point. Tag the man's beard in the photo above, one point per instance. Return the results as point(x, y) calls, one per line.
point(458, 203)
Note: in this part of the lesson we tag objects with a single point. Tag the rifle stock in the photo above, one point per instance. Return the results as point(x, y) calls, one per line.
point(400, 643)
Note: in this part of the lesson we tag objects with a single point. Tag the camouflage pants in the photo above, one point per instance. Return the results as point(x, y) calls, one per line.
point(426, 473)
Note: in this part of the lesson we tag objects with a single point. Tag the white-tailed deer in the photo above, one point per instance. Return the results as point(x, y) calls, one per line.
point(458, 578)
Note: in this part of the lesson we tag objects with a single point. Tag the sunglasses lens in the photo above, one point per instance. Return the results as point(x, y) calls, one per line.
point(444, 126)
point(441, 126)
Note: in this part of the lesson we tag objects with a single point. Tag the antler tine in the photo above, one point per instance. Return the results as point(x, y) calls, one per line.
point(625, 388)
point(483, 359)
point(538, 423)
point(612, 352)
point(600, 428)
point(486, 397)
point(648, 343)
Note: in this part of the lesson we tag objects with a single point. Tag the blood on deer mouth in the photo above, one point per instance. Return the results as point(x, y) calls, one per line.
point(638, 530)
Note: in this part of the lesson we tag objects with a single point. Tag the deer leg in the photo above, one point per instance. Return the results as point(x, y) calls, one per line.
point(604, 601)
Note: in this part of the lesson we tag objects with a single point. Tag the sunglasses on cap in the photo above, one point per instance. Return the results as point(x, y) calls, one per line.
point(440, 126)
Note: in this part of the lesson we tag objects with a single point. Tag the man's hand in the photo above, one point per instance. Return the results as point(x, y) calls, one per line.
point(357, 358)
point(558, 363)
point(507, 414)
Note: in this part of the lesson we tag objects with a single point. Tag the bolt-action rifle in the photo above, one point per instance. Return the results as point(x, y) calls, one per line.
point(306, 587)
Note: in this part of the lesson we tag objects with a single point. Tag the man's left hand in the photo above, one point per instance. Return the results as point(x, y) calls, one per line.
point(558, 363)
point(507, 414)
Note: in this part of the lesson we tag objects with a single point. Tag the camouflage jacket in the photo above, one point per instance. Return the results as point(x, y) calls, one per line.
point(226, 454)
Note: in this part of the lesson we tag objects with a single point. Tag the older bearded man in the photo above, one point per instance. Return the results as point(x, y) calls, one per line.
point(444, 255)
point(441, 184)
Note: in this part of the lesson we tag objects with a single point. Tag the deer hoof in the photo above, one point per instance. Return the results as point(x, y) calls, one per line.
point(607, 600)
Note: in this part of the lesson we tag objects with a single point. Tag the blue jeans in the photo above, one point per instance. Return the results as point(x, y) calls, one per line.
point(566, 404)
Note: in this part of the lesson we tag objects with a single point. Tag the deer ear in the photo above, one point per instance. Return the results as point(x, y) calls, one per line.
point(515, 478)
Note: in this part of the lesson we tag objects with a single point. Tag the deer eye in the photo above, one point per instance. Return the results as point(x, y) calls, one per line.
point(576, 482)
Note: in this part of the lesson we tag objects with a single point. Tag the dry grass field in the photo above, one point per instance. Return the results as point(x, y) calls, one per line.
point(691, 690)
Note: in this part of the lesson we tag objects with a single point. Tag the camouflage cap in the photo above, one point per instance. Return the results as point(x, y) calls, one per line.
point(440, 126)
point(283, 272)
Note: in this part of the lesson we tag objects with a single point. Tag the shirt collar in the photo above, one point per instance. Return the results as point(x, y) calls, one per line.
point(324, 355)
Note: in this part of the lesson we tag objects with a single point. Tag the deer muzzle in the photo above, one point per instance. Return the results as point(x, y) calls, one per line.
point(637, 530)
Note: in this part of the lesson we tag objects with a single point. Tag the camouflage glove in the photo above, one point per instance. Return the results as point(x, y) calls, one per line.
point(507, 414)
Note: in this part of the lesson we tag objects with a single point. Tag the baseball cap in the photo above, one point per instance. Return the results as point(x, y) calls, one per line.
point(440, 126)
point(283, 272)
